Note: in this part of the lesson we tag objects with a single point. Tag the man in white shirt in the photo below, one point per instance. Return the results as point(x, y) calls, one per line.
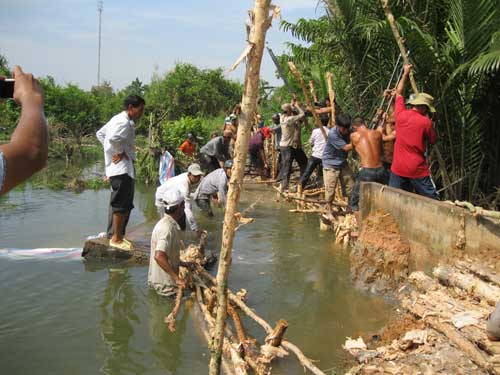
point(317, 142)
point(185, 183)
point(164, 260)
point(118, 140)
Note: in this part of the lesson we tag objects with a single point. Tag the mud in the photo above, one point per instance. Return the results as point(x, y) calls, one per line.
point(380, 258)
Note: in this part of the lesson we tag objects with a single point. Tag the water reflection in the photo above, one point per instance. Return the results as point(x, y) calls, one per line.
point(118, 313)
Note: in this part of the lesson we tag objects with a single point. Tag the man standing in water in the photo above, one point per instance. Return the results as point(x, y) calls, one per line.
point(118, 140)
point(164, 259)
point(368, 145)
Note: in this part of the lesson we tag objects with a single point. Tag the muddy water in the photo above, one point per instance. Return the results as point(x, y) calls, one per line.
point(61, 315)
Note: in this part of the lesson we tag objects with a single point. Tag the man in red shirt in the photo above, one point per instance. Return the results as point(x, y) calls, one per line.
point(414, 129)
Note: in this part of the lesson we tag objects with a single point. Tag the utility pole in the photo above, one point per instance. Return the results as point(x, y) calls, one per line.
point(99, 10)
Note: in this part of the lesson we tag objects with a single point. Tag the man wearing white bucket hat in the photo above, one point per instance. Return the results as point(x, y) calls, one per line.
point(164, 260)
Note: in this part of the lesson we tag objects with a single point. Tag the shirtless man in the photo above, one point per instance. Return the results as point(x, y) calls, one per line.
point(368, 145)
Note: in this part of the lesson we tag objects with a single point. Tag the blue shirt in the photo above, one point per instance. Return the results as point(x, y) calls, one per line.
point(2, 170)
point(333, 155)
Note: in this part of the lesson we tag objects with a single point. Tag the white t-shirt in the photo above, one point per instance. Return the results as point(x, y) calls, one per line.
point(118, 136)
point(181, 183)
point(318, 142)
point(165, 237)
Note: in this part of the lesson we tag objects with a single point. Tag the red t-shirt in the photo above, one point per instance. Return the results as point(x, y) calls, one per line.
point(412, 131)
point(188, 148)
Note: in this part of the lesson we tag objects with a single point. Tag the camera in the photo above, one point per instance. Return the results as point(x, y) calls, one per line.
point(7, 88)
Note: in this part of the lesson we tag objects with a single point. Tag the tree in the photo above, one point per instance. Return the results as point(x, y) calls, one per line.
point(455, 47)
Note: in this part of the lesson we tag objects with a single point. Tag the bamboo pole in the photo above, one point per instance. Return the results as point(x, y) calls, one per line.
point(299, 79)
point(262, 21)
point(331, 95)
point(399, 41)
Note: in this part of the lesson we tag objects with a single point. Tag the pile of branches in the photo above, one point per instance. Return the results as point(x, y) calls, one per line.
point(242, 354)
point(453, 307)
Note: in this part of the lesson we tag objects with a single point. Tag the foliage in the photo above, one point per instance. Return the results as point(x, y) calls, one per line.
point(455, 48)
point(189, 91)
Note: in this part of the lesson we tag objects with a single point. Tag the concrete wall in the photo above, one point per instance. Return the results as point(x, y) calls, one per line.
point(435, 226)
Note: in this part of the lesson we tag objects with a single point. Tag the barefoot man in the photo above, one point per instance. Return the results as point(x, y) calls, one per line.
point(368, 145)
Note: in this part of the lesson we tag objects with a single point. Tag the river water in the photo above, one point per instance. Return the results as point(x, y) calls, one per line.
point(62, 315)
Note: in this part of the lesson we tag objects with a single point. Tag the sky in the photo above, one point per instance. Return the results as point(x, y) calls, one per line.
point(60, 37)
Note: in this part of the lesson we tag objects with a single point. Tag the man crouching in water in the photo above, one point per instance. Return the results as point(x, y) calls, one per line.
point(368, 145)
point(164, 259)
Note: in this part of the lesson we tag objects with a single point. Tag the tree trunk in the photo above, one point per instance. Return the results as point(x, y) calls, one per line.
point(399, 41)
point(262, 21)
point(299, 79)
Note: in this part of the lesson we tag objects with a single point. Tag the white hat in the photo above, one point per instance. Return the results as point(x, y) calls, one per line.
point(195, 170)
point(172, 198)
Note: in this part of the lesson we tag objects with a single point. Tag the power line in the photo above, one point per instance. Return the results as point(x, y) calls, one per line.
point(99, 10)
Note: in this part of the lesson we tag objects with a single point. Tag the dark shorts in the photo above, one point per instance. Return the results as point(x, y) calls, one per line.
point(367, 175)
point(122, 193)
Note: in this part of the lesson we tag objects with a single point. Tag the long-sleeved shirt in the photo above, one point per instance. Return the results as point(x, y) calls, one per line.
point(181, 183)
point(116, 137)
point(318, 142)
point(214, 182)
point(289, 125)
point(216, 148)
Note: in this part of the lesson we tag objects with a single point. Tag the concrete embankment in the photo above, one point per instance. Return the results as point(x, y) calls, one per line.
point(445, 309)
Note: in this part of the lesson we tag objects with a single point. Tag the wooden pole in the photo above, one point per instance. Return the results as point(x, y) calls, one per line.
point(331, 95)
point(299, 79)
point(273, 157)
point(313, 91)
point(262, 21)
point(399, 41)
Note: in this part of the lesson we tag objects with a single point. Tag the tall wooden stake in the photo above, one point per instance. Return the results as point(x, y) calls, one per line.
point(399, 41)
point(262, 21)
point(331, 95)
point(313, 91)
point(309, 103)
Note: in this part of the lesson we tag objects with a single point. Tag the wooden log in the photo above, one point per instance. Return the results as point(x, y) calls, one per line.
point(240, 366)
point(261, 23)
point(313, 91)
point(483, 273)
point(276, 337)
point(450, 332)
point(299, 79)
point(399, 41)
point(170, 318)
point(331, 95)
point(476, 287)
point(202, 325)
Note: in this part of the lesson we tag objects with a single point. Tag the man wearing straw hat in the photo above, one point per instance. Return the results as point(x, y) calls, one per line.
point(414, 130)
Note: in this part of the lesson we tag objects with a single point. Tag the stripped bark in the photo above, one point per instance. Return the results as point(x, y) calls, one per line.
point(399, 41)
point(170, 319)
point(331, 95)
point(484, 291)
point(304, 361)
point(478, 270)
point(313, 91)
point(299, 79)
point(262, 21)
